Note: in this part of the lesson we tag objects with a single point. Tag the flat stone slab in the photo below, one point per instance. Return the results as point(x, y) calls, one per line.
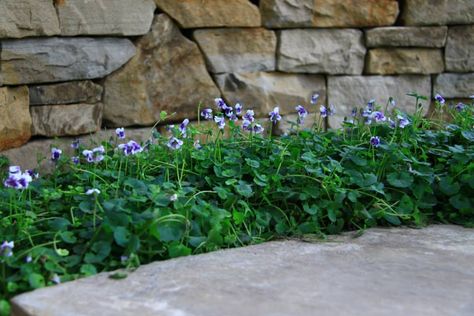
point(384, 272)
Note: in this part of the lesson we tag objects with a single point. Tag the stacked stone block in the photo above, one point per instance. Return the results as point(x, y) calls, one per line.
point(72, 67)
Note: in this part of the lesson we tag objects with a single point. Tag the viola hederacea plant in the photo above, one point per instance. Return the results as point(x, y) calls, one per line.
point(222, 182)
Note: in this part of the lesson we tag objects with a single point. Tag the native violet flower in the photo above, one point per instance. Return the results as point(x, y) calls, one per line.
point(392, 102)
point(220, 103)
point(120, 132)
point(75, 144)
point(12, 170)
point(92, 191)
point(392, 123)
point(169, 128)
point(323, 111)
point(174, 143)
point(460, 106)
point(258, 129)
point(378, 116)
point(332, 110)
point(89, 154)
point(130, 148)
point(6, 248)
point(75, 160)
point(197, 144)
point(375, 141)
point(56, 279)
point(32, 173)
point(220, 120)
point(238, 109)
point(98, 153)
point(247, 125)
point(249, 115)
point(314, 98)
point(354, 112)
point(18, 180)
point(228, 111)
point(275, 115)
point(371, 104)
point(207, 114)
point(402, 121)
point(55, 154)
point(440, 99)
point(302, 113)
point(183, 126)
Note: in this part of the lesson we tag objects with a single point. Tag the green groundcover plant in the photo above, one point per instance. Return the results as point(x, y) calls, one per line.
point(122, 203)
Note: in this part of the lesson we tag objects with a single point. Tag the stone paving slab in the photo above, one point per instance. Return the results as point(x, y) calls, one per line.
point(399, 271)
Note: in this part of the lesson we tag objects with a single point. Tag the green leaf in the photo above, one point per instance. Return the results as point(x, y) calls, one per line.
point(5, 308)
point(88, 269)
point(394, 220)
point(406, 205)
point(469, 135)
point(461, 202)
point(252, 163)
point(68, 237)
point(312, 210)
point(400, 180)
point(448, 186)
point(121, 236)
point(244, 189)
point(36, 280)
point(332, 215)
point(361, 162)
point(178, 250)
point(118, 276)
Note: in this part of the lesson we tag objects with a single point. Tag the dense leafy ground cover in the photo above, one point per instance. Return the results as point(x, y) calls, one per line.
point(122, 204)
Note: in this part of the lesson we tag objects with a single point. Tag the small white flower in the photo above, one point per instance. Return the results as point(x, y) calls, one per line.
point(174, 197)
point(92, 191)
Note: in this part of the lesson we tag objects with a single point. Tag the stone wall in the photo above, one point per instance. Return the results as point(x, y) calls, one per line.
point(72, 67)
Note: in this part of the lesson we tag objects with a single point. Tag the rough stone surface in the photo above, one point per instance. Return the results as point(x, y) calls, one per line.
point(61, 59)
point(328, 13)
point(396, 272)
point(28, 155)
point(212, 13)
point(105, 17)
point(66, 120)
point(321, 51)
point(22, 18)
point(66, 93)
point(459, 51)
point(167, 74)
point(15, 119)
point(389, 61)
point(347, 92)
point(408, 36)
point(451, 85)
point(238, 50)
point(437, 12)
point(263, 91)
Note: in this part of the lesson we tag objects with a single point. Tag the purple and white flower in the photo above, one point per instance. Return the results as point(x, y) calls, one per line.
point(92, 191)
point(220, 120)
point(247, 125)
point(183, 126)
point(18, 180)
point(249, 115)
point(56, 279)
point(440, 99)
point(207, 114)
point(98, 153)
point(378, 116)
point(238, 109)
point(375, 141)
point(371, 105)
point(120, 132)
point(332, 110)
point(233, 118)
point(275, 115)
point(460, 106)
point(228, 111)
point(302, 113)
point(89, 154)
point(392, 102)
point(392, 123)
point(32, 173)
point(75, 160)
point(323, 111)
point(314, 98)
point(56, 154)
point(197, 144)
point(75, 144)
point(12, 170)
point(131, 148)
point(220, 103)
point(175, 143)
point(402, 121)
point(6, 248)
point(258, 129)
point(354, 112)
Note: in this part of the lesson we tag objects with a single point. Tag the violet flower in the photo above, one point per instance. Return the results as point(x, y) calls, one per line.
point(55, 154)
point(207, 114)
point(249, 115)
point(402, 121)
point(174, 143)
point(18, 180)
point(197, 144)
point(89, 154)
point(323, 111)
point(275, 115)
point(6, 248)
point(220, 120)
point(238, 109)
point(120, 132)
point(130, 148)
point(75, 160)
point(375, 141)
point(183, 126)
point(12, 170)
point(440, 99)
point(302, 113)
point(247, 125)
point(460, 106)
point(314, 98)
point(371, 104)
point(75, 144)
point(354, 112)
point(378, 116)
point(220, 103)
point(332, 110)
point(258, 129)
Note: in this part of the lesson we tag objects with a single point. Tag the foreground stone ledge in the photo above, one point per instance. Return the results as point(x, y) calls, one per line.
point(212, 13)
point(168, 74)
point(66, 93)
point(238, 49)
point(346, 92)
point(328, 13)
point(321, 51)
point(66, 120)
point(396, 272)
point(39, 150)
point(105, 17)
point(439, 12)
point(23, 18)
point(451, 85)
point(42, 60)
point(263, 91)
point(399, 36)
point(459, 52)
point(15, 119)
point(392, 61)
